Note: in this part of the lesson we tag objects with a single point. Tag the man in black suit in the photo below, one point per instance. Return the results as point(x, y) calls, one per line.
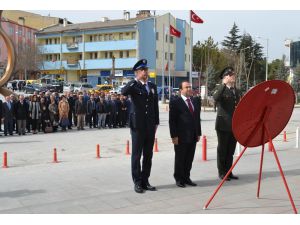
point(8, 115)
point(185, 130)
point(143, 122)
point(226, 98)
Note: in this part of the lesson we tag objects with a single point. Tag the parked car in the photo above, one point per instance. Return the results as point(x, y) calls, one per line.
point(117, 90)
point(30, 88)
point(83, 87)
point(15, 84)
point(69, 87)
point(56, 86)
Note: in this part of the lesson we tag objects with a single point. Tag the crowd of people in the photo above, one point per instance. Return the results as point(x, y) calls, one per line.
point(49, 112)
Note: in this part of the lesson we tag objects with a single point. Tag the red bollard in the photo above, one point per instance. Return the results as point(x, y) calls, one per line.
point(204, 148)
point(155, 145)
point(98, 151)
point(55, 156)
point(284, 136)
point(127, 148)
point(5, 160)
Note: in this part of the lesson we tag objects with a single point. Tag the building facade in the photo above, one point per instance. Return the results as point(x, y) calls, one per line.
point(103, 51)
point(22, 36)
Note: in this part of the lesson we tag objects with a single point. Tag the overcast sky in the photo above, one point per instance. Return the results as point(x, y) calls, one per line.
point(274, 25)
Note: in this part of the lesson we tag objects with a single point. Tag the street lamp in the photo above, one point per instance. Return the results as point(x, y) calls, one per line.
point(267, 40)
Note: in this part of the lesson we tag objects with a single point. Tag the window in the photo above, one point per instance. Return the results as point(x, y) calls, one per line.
point(127, 54)
point(106, 37)
point(55, 41)
point(120, 36)
point(133, 35)
point(156, 54)
point(80, 56)
point(47, 41)
point(157, 36)
point(91, 55)
point(100, 37)
point(105, 54)
point(110, 37)
point(171, 39)
point(110, 55)
point(121, 54)
point(96, 55)
point(50, 41)
point(166, 38)
point(171, 56)
point(166, 55)
point(91, 38)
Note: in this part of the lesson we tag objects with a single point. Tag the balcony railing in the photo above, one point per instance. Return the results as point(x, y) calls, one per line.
point(73, 45)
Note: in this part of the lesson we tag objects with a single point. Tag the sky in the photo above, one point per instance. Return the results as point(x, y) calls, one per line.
point(274, 25)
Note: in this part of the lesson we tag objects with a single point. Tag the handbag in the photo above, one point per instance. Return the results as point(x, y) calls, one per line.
point(48, 129)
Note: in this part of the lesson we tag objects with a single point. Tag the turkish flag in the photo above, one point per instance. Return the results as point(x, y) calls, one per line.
point(174, 32)
point(195, 18)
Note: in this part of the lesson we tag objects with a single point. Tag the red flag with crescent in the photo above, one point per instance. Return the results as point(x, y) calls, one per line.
point(195, 18)
point(174, 32)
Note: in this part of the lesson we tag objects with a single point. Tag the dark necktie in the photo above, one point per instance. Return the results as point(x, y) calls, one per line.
point(145, 88)
point(190, 105)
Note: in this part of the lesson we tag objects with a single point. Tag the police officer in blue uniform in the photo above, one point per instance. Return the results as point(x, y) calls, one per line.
point(226, 97)
point(143, 122)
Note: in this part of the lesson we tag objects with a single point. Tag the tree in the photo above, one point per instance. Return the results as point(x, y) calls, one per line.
point(231, 42)
point(278, 70)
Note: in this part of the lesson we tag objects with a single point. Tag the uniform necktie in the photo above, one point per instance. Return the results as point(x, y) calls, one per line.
point(190, 105)
point(145, 88)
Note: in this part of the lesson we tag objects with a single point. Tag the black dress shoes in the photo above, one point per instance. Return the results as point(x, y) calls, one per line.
point(147, 186)
point(138, 189)
point(231, 176)
point(180, 184)
point(190, 182)
point(222, 177)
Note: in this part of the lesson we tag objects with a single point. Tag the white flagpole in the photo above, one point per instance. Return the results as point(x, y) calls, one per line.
point(191, 43)
point(163, 68)
point(169, 66)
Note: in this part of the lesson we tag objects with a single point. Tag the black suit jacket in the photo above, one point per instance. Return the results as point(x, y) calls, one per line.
point(183, 124)
point(8, 114)
point(144, 107)
point(226, 103)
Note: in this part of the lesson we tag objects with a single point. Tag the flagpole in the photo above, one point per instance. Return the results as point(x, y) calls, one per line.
point(169, 65)
point(191, 43)
point(162, 68)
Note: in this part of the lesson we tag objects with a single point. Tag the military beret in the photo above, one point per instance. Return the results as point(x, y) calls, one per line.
point(140, 64)
point(228, 70)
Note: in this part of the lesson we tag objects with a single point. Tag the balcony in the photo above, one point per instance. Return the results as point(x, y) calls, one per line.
point(72, 62)
point(72, 46)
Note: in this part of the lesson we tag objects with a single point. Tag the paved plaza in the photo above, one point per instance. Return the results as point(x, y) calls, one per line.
point(81, 183)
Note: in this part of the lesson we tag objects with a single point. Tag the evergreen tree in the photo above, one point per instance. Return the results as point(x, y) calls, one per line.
point(231, 42)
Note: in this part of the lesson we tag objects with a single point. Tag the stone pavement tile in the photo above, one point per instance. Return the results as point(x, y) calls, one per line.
point(141, 208)
point(22, 210)
point(9, 203)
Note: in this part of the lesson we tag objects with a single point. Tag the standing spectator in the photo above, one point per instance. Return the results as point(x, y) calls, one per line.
point(80, 111)
point(113, 112)
point(8, 115)
point(75, 98)
point(14, 100)
point(21, 112)
point(71, 102)
point(34, 113)
point(102, 111)
point(123, 113)
point(63, 109)
point(53, 113)
point(45, 118)
point(91, 112)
